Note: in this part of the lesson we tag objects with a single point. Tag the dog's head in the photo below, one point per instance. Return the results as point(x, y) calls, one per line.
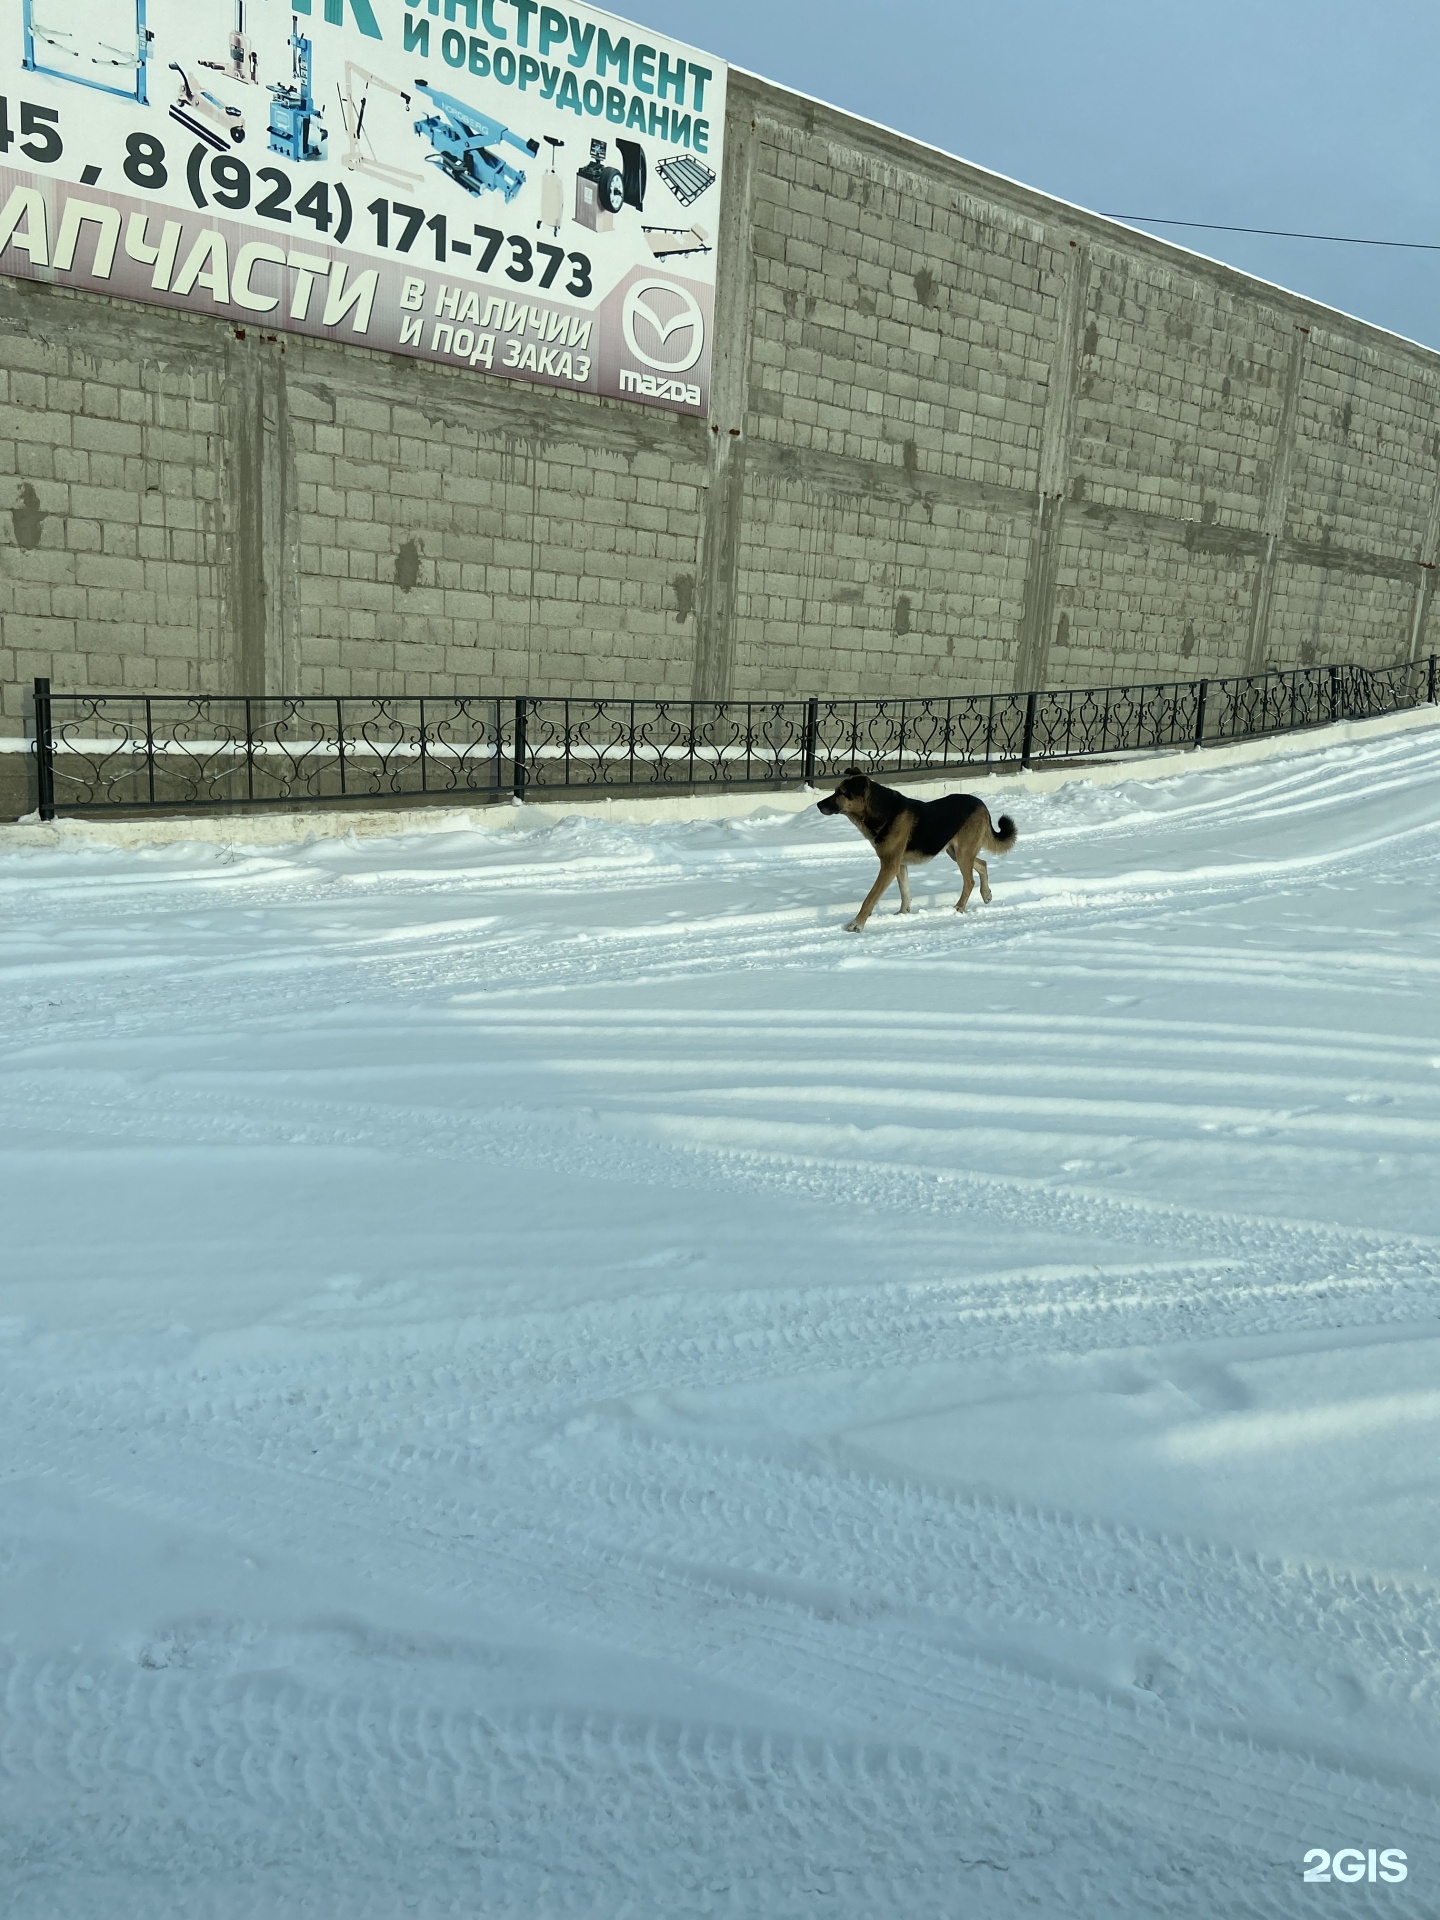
point(850, 797)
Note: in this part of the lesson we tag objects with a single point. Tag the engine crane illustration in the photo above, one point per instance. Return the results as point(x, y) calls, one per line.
point(354, 102)
point(295, 126)
point(462, 138)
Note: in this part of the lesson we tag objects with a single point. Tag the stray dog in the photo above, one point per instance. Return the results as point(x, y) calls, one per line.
point(906, 832)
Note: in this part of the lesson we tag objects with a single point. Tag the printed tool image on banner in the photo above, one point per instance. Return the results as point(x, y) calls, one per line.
point(520, 190)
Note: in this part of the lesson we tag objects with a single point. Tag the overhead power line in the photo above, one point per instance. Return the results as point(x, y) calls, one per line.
point(1277, 233)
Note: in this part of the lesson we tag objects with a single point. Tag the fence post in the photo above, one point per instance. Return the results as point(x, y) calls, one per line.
point(520, 747)
point(1430, 695)
point(1029, 739)
point(812, 735)
point(1334, 693)
point(150, 750)
point(1201, 691)
point(45, 748)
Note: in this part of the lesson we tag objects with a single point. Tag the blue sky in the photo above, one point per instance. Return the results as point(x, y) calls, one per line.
point(1320, 117)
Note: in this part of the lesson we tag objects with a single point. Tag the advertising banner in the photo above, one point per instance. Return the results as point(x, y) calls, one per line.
point(523, 190)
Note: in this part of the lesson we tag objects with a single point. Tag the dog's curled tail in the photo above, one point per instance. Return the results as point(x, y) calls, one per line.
point(1004, 835)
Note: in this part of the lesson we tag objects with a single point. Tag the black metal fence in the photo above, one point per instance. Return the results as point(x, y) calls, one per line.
point(116, 752)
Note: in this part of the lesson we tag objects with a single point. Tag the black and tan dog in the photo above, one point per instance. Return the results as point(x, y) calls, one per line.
point(906, 832)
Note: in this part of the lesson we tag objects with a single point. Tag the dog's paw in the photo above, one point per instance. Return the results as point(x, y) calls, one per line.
point(854, 926)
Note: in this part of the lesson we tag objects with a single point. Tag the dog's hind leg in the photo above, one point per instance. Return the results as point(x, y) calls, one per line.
point(904, 878)
point(984, 873)
point(967, 878)
point(964, 850)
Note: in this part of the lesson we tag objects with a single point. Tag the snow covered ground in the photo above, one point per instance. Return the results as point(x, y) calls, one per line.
point(544, 1377)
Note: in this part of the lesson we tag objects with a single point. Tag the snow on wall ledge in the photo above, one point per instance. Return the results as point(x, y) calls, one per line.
point(543, 1377)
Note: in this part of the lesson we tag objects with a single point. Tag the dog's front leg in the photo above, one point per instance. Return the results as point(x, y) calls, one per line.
point(888, 871)
point(902, 875)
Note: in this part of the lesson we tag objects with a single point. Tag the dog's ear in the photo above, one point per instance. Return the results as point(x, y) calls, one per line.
point(855, 782)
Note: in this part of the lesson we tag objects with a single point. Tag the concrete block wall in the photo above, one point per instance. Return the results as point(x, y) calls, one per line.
point(962, 438)
point(1080, 456)
point(867, 595)
point(457, 536)
point(108, 550)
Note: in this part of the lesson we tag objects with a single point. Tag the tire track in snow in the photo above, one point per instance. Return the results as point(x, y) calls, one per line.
point(1176, 1605)
point(362, 1437)
point(865, 1676)
point(557, 1812)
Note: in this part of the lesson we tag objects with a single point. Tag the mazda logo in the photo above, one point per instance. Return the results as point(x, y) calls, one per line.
point(663, 326)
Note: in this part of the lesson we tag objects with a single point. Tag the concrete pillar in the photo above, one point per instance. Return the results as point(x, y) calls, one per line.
point(1032, 653)
point(723, 504)
point(1277, 502)
point(260, 559)
point(1429, 566)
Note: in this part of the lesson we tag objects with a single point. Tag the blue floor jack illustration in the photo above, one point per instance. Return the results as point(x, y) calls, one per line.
point(295, 128)
point(462, 138)
point(214, 120)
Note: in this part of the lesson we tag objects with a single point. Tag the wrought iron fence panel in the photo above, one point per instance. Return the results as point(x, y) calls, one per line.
point(874, 735)
point(1238, 707)
point(892, 736)
point(1082, 721)
point(459, 744)
point(122, 751)
point(837, 743)
point(1357, 693)
point(98, 752)
point(93, 758)
point(853, 733)
point(1146, 719)
point(1180, 721)
point(605, 743)
point(970, 726)
point(927, 734)
point(1246, 706)
point(1363, 692)
point(1009, 715)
